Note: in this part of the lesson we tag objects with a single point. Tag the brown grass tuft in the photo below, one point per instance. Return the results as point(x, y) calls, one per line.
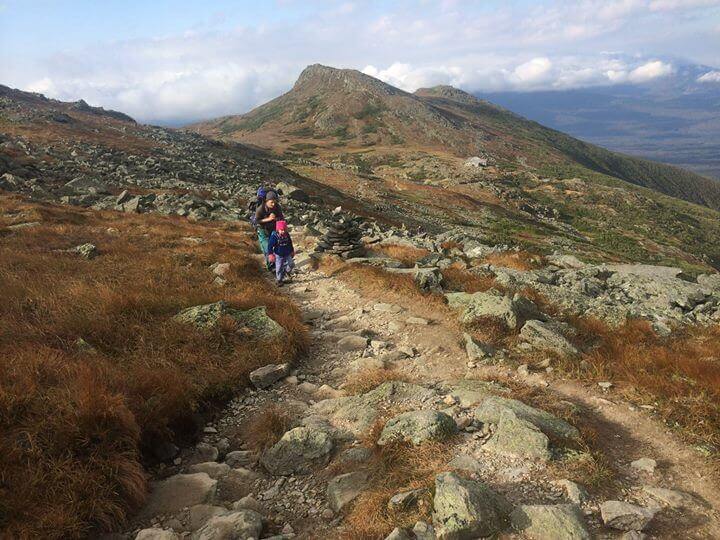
point(395, 467)
point(405, 254)
point(75, 423)
point(492, 330)
point(459, 279)
point(519, 260)
point(265, 428)
point(367, 379)
point(451, 244)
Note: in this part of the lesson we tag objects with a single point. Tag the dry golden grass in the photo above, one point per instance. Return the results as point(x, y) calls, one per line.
point(459, 279)
point(74, 424)
point(367, 379)
point(492, 330)
point(405, 254)
point(680, 373)
point(265, 428)
point(395, 467)
point(381, 285)
point(519, 260)
point(451, 244)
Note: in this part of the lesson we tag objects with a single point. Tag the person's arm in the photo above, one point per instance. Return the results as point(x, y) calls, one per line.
point(271, 243)
point(260, 216)
point(292, 248)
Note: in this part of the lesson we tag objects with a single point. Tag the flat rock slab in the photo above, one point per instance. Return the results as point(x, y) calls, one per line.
point(156, 534)
point(674, 498)
point(352, 343)
point(298, 451)
point(625, 516)
point(209, 315)
point(387, 308)
point(213, 469)
point(343, 489)
point(557, 521)
point(645, 465)
point(418, 426)
point(177, 492)
point(544, 337)
point(356, 414)
point(491, 410)
point(268, 375)
point(232, 526)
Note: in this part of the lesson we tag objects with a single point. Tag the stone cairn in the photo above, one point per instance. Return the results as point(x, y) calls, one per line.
point(342, 238)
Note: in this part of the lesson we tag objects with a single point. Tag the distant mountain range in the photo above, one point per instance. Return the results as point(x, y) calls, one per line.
point(326, 104)
point(405, 156)
point(674, 119)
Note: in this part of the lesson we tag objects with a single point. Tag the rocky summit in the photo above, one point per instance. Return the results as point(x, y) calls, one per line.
point(492, 329)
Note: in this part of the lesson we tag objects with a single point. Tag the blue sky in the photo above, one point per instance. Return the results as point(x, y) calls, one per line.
point(176, 61)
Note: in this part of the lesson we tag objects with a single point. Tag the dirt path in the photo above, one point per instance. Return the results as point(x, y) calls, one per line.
point(429, 354)
point(626, 433)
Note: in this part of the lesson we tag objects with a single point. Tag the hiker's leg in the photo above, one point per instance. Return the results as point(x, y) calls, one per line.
point(263, 240)
point(289, 264)
point(279, 268)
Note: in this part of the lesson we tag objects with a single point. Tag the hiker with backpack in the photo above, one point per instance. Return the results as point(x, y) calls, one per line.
point(267, 214)
point(281, 251)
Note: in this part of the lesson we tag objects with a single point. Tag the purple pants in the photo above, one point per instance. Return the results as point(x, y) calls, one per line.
point(283, 265)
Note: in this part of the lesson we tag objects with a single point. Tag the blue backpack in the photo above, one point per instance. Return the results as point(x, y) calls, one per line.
point(253, 205)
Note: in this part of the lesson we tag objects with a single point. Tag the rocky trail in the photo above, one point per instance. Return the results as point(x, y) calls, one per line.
point(503, 473)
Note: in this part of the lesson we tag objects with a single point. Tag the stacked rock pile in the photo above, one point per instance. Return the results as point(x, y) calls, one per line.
point(342, 238)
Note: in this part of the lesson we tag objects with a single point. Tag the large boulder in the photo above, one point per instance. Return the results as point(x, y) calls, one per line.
point(177, 492)
point(293, 192)
point(357, 414)
point(298, 451)
point(545, 337)
point(556, 521)
point(213, 469)
point(513, 311)
point(625, 516)
point(352, 343)
point(517, 437)
point(342, 489)
point(428, 279)
point(156, 534)
point(209, 315)
point(465, 509)
point(477, 352)
point(88, 185)
point(268, 375)
point(710, 282)
point(491, 409)
point(673, 498)
point(232, 526)
point(417, 427)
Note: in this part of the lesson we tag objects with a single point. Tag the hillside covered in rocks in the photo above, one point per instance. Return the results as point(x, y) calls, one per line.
point(444, 158)
point(419, 378)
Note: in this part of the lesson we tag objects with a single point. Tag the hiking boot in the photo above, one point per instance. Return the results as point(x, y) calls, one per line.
point(280, 283)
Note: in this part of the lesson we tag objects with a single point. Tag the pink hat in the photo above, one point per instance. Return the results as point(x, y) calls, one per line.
point(281, 225)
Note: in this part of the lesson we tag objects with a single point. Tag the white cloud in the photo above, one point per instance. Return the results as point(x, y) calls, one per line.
point(710, 77)
point(649, 71)
point(204, 71)
point(534, 71)
point(670, 5)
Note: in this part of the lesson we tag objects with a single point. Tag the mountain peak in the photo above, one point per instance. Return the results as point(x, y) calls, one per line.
point(319, 77)
point(447, 92)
